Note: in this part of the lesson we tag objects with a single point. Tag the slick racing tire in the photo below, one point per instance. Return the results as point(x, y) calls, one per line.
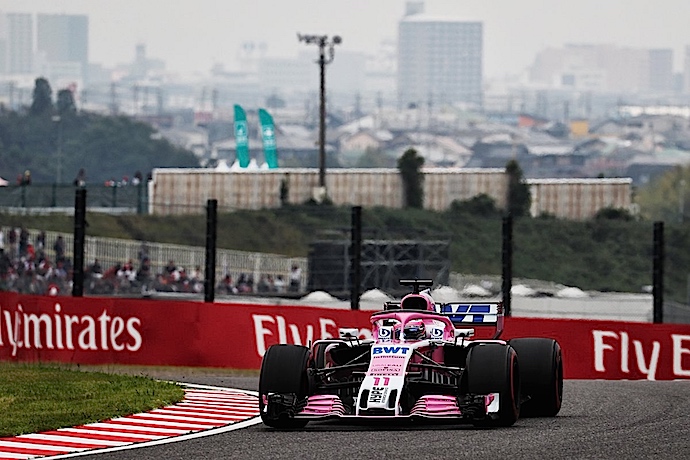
point(283, 372)
point(541, 373)
point(493, 368)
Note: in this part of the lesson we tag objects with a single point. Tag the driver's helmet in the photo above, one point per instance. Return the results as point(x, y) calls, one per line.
point(414, 330)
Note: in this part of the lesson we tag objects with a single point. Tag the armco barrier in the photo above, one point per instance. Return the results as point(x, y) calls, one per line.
point(180, 333)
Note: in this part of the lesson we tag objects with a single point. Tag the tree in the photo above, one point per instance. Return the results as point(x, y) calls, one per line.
point(665, 196)
point(42, 97)
point(284, 191)
point(107, 147)
point(374, 158)
point(410, 165)
point(613, 214)
point(275, 102)
point(519, 198)
point(65, 102)
point(480, 205)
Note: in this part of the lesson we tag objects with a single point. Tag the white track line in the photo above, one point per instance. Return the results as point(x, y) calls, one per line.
point(18, 456)
point(159, 423)
point(162, 431)
point(123, 434)
point(54, 437)
point(24, 445)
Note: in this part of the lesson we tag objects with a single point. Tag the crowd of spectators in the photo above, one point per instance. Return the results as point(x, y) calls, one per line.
point(267, 284)
point(131, 278)
point(27, 266)
point(127, 279)
point(30, 267)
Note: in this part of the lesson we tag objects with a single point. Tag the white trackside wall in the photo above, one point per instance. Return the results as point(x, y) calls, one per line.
point(186, 191)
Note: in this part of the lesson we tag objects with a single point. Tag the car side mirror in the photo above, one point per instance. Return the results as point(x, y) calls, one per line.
point(348, 333)
point(465, 333)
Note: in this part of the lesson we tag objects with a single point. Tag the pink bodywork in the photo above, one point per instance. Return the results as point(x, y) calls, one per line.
point(404, 317)
point(436, 406)
point(427, 406)
point(323, 406)
point(389, 365)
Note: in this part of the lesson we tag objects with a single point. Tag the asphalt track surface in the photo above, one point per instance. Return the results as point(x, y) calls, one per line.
point(599, 420)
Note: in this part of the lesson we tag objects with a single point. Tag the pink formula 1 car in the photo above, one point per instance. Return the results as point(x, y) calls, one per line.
point(422, 363)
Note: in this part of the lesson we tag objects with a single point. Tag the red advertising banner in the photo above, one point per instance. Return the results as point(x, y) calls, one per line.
point(182, 333)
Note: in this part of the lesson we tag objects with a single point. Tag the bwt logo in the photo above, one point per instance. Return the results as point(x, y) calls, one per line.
point(385, 334)
point(390, 350)
point(436, 333)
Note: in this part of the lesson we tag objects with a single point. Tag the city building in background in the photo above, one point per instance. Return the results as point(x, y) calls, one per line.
point(54, 46)
point(62, 46)
point(661, 79)
point(686, 71)
point(4, 50)
point(19, 43)
point(434, 62)
point(604, 68)
point(283, 76)
point(579, 111)
point(439, 59)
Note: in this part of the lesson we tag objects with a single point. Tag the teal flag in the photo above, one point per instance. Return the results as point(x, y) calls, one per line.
point(241, 137)
point(268, 136)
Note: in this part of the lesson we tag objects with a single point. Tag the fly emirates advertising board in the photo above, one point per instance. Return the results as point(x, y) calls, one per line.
point(236, 335)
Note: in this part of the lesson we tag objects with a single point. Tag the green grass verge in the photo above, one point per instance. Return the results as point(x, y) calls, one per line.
point(40, 397)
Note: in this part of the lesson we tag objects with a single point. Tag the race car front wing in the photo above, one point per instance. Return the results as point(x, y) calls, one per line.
point(466, 407)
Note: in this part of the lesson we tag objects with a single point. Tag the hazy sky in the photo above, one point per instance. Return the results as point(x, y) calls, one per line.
point(192, 35)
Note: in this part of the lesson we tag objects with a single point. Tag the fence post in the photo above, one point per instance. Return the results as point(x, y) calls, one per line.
point(356, 257)
point(79, 236)
point(658, 273)
point(507, 262)
point(140, 205)
point(210, 272)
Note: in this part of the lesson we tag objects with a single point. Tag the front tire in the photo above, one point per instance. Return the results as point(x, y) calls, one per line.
point(283, 372)
point(493, 368)
point(541, 366)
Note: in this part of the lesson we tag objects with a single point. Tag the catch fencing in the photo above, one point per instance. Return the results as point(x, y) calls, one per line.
point(114, 252)
point(113, 195)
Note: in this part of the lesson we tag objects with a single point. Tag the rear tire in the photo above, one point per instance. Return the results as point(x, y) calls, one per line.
point(493, 368)
point(541, 368)
point(283, 371)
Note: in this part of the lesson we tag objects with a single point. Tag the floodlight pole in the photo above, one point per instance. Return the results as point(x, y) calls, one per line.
point(323, 42)
point(58, 177)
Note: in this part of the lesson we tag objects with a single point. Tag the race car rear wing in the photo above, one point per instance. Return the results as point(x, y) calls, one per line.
point(417, 284)
point(464, 314)
point(475, 314)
